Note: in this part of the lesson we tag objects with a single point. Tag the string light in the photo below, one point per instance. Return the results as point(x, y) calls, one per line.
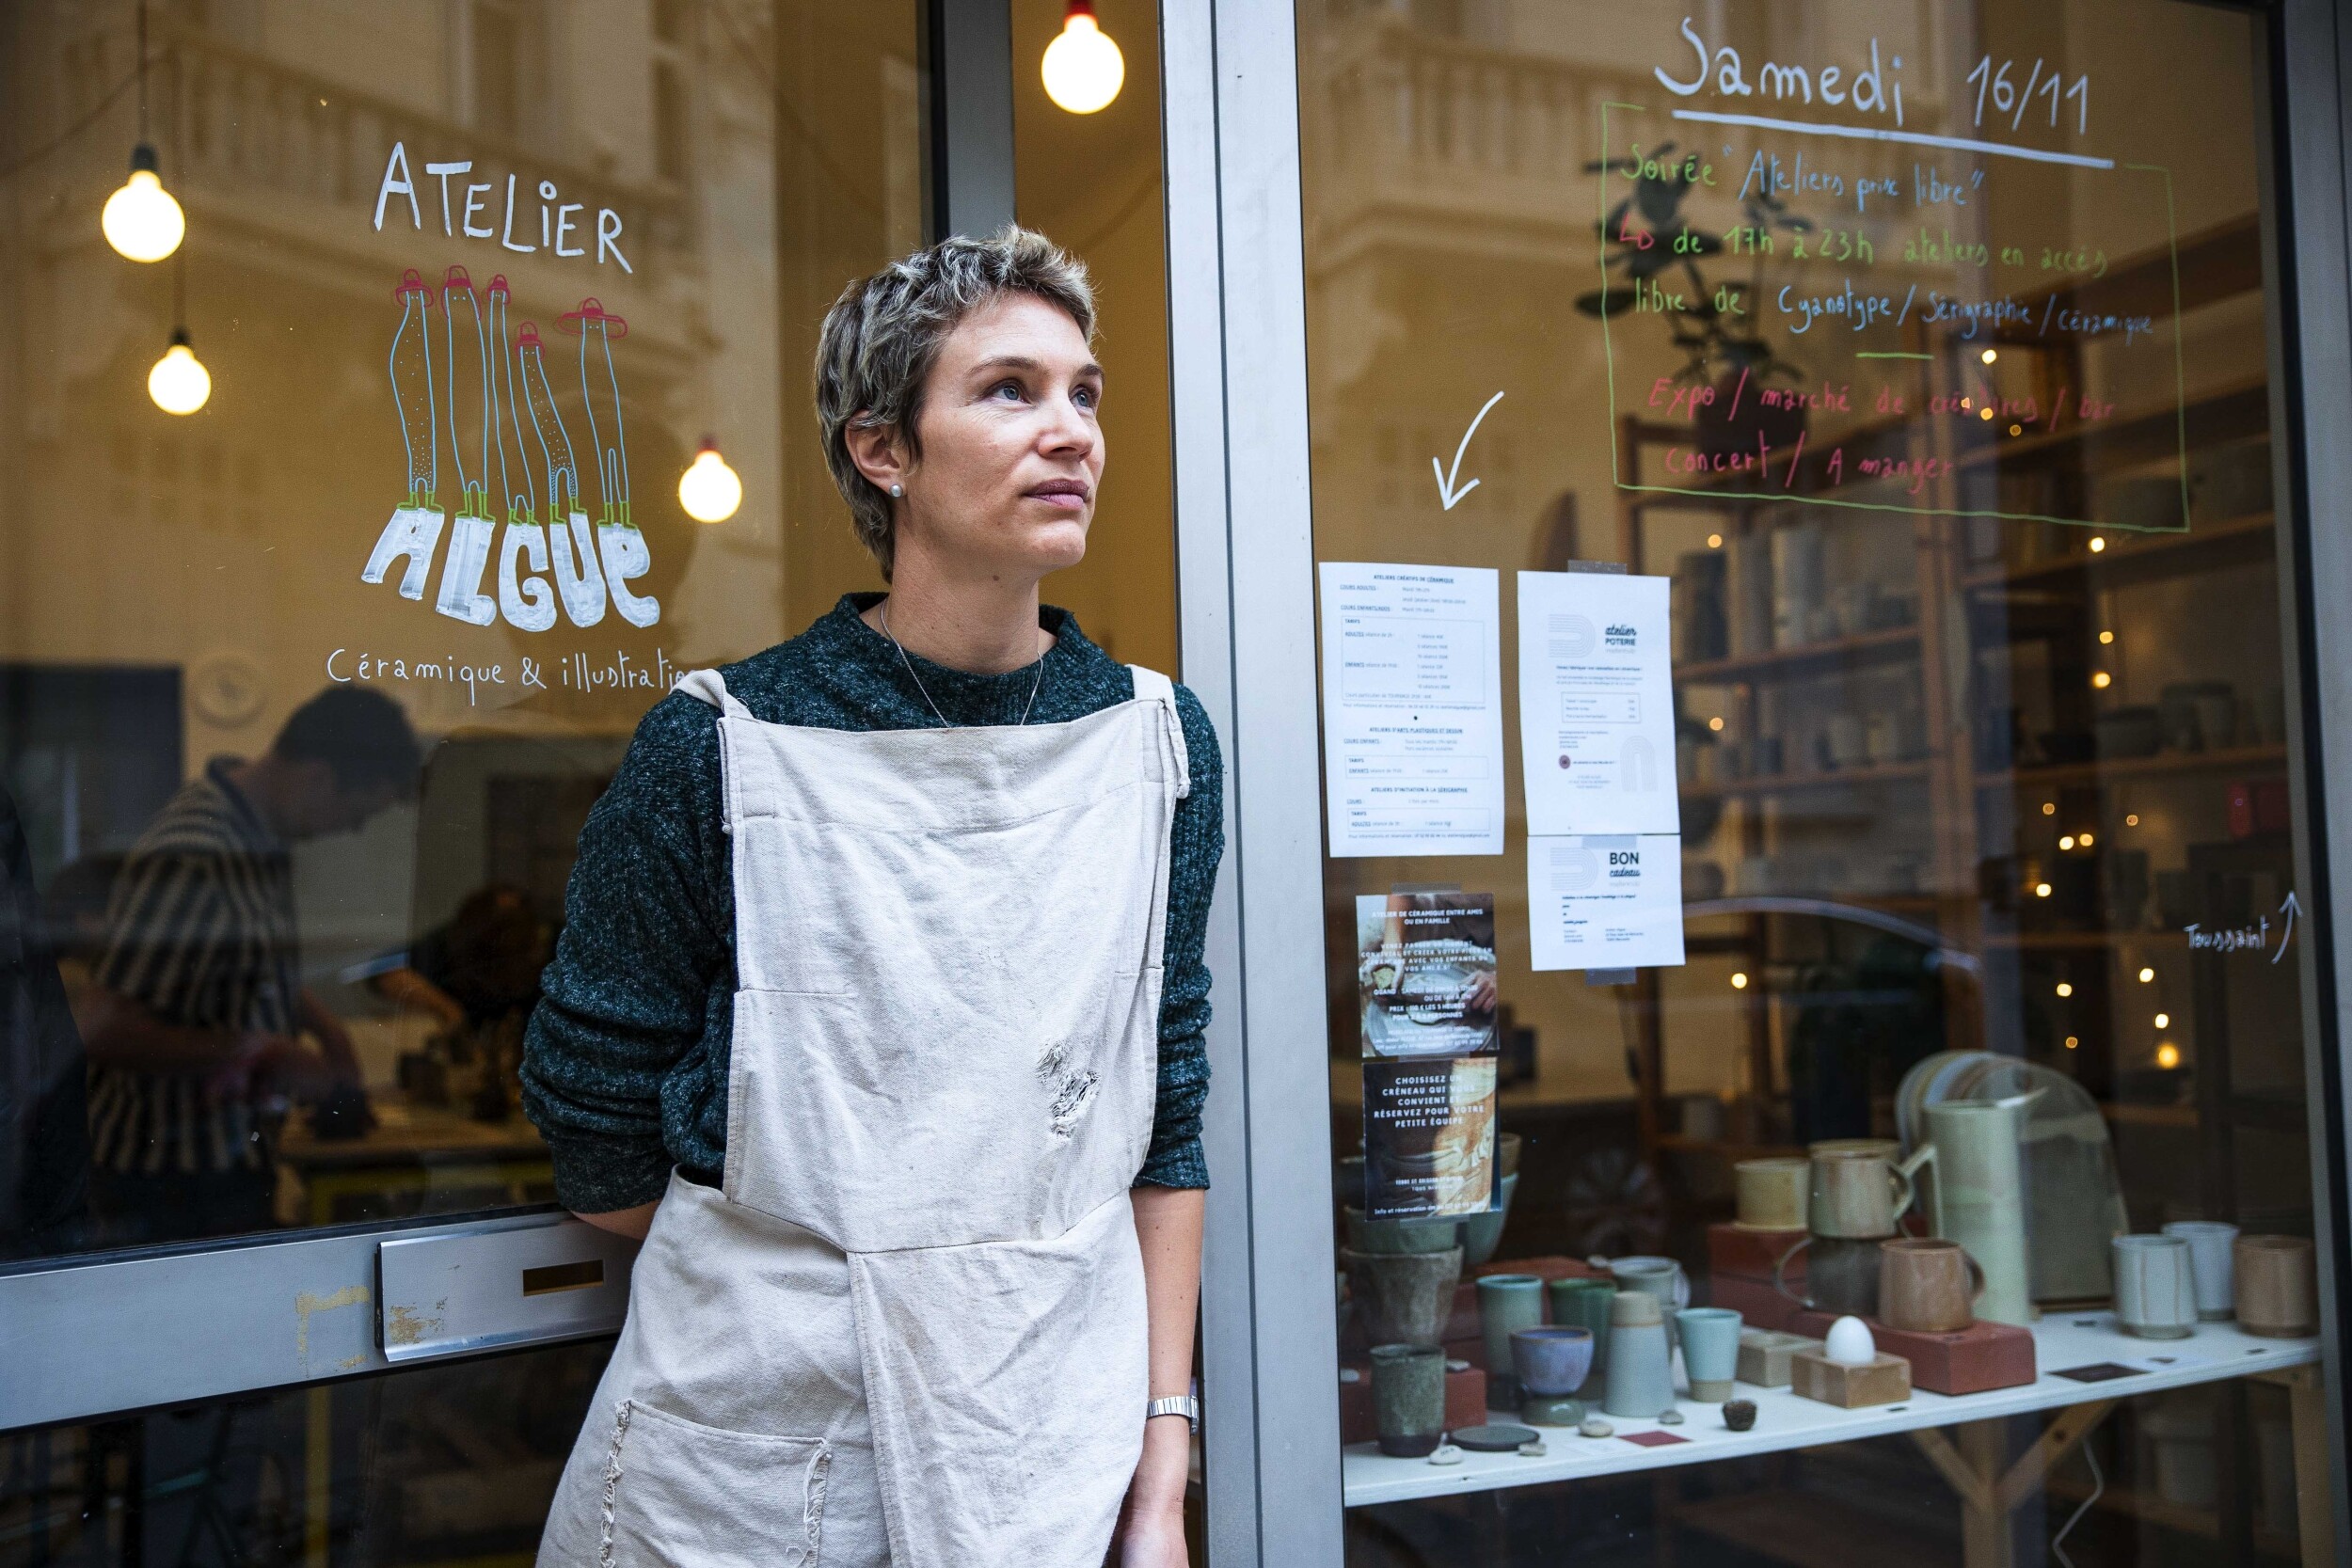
point(2106, 637)
point(2168, 1055)
point(1988, 355)
point(710, 490)
point(2102, 680)
point(2131, 819)
point(1714, 541)
point(2066, 841)
point(2041, 890)
point(2049, 808)
point(2164, 1020)
point(2072, 1042)
point(1083, 68)
point(2097, 544)
point(2064, 988)
point(2147, 976)
point(1716, 723)
point(2083, 839)
point(1740, 980)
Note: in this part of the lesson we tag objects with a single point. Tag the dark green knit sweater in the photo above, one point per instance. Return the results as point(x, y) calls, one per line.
point(626, 1067)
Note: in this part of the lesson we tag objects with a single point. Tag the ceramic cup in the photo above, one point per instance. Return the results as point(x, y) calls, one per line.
point(1661, 1277)
point(1841, 1275)
point(2212, 1247)
point(1506, 1304)
point(1640, 1380)
point(1408, 1398)
point(1710, 1351)
point(2155, 1297)
point(1927, 1286)
point(1858, 1194)
point(1482, 1232)
point(1402, 1297)
point(1585, 1303)
point(1771, 1193)
point(2278, 1287)
point(1551, 1364)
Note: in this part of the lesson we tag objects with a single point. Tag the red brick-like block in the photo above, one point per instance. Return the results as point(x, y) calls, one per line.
point(1966, 1361)
point(1751, 1254)
point(1758, 1304)
point(1465, 1404)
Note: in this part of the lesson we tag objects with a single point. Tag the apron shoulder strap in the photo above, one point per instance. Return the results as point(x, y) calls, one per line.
point(711, 686)
point(1153, 686)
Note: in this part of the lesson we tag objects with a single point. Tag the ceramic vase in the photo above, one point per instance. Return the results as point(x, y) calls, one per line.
point(1980, 1198)
point(2155, 1293)
point(2212, 1249)
point(2277, 1286)
point(1506, 1304)
point(1404, 1297)
point(1408, 1398)
point(1640, 1380)
point(1710, 1351)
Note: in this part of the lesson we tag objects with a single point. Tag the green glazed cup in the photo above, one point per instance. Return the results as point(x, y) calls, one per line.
point(1408, 1398)
point(1506, 1304)
point(1585, 1303)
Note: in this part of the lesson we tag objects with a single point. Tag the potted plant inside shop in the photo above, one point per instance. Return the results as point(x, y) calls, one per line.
point(1651, 253)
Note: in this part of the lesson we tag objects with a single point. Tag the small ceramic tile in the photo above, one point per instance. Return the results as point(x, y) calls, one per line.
point(2097, 1371)
point(1653, 1439)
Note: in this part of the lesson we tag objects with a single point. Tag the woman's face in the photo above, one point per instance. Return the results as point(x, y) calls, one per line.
point(1012, 447)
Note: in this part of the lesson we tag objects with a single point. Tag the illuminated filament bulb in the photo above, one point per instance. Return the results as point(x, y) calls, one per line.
point(1083, 68)
point(180, 383)
point(710, 490)
point(142, 219)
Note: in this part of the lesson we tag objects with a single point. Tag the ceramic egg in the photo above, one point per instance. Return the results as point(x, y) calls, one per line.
point(1850, 1343)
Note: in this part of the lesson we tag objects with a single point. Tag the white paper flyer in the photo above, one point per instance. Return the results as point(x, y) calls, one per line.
point(1613, 902)
point(1412, 709)
point(1596, 713)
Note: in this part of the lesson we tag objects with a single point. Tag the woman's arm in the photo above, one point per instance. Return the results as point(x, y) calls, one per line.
point(632, 1223)
point(1167, 1226)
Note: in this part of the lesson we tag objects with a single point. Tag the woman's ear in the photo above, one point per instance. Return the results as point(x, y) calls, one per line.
point(878, 452)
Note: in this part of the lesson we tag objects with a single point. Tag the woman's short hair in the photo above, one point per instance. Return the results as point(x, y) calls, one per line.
point(882, 336)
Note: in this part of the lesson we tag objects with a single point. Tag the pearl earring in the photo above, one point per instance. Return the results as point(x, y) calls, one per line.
point(897, 490)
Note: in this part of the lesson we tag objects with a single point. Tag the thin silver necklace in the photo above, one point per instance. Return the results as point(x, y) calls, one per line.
point(1034, 686)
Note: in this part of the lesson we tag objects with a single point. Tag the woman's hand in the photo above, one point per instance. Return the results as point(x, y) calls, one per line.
point(1152, 1523)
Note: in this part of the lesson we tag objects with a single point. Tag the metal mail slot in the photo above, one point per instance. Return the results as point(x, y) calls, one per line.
point(444, 1295)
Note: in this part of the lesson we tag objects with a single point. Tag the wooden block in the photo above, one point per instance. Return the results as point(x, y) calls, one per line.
point(1885, 1380)
point(1966, 1361)
point(1766, 1355)
point(1751, 1254)
point(1758, 1304)
point(1465, 1403)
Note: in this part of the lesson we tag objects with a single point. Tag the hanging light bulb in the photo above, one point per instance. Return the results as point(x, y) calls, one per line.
point(180, 383)
point(710, 490)
point(142, 221)
point(1084, 69)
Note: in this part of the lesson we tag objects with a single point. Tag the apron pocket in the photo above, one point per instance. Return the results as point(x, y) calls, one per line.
point(679, 1494)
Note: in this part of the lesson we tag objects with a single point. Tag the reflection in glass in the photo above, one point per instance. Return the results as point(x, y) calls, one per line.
point(1956, 452)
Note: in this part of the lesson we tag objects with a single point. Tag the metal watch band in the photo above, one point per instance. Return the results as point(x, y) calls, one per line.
point(1175, 1404)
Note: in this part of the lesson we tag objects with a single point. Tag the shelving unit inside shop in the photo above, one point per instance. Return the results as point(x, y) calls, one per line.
point(2029, 748)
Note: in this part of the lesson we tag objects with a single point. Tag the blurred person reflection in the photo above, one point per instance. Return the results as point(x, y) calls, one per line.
point(196, 1012)
point(44, 1153)
point(477, 976)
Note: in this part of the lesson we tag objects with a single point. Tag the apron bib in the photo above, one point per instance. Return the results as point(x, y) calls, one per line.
point(911, 1327)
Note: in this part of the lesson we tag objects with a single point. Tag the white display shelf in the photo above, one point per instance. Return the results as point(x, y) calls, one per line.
point(1784, 1420)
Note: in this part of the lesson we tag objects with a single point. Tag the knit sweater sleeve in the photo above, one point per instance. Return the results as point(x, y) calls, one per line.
point(1197, 843)
point(623, 1003)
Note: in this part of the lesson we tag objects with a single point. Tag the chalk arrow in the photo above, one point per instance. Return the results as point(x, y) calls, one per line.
point(1446, 492)
point(2290, 909)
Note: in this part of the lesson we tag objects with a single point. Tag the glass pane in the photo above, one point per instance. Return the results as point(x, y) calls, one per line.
point(1921, 780)
point(312, 662)
point(445, 1463)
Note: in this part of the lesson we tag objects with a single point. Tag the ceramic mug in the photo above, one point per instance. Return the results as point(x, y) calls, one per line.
point(1506, 1304)
point(1640, 1382)
point(1408, 1398)
point(1551, 1364)
point(1710, 1351)
point(1585, 1303)
point(2155, 1297)
point(2212, 1244)
point(2278, 1287)
point(1841, 1275)
point(1772, 1193)
point(1859, 1193)
point(1928, 1285)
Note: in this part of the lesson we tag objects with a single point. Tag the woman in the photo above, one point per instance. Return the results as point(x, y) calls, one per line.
point(858, 1014)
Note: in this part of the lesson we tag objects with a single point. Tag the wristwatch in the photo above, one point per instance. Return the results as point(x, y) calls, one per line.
point(1175, 1404)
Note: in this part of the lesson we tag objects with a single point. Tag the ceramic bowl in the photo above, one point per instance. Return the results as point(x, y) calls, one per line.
point(1552, 1360)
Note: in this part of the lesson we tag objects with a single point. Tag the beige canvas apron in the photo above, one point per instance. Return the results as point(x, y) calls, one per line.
point(911, 1330)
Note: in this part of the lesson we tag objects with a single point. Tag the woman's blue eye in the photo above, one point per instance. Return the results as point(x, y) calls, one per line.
point(1011, 387)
